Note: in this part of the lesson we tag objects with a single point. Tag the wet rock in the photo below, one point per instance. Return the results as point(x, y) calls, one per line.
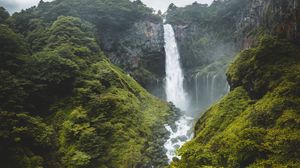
point(177, 146)
point(175, 159)
point(174, 140)
point(182, 138)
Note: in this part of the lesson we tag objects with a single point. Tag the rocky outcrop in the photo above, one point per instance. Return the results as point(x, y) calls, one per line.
point(140, 52)
point(277, 17)
point(200, 45)
point(230, 26)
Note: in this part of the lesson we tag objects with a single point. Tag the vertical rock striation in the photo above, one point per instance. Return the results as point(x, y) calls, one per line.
point(278, 17)
point(140, 52)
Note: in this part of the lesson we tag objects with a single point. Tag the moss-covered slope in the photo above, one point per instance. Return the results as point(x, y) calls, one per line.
point(63, 104)
point(128, 32)
point(112, 122)
point(258, 123)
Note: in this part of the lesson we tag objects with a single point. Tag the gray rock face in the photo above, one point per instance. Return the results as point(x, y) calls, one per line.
point(280, 17)
point(140, 52)
point(199, 45)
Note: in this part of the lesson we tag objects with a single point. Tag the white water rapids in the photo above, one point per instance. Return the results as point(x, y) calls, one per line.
point(176, 94)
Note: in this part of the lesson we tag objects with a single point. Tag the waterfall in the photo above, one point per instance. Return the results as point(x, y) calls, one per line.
point(208, 88)
point(174, 80)
point(196, 87)
point(176, 94)
point(212, 89)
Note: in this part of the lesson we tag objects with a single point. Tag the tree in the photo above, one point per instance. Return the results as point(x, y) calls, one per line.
point(12, 49)
point(3, 14)
point(172, 6)
point(159, 12)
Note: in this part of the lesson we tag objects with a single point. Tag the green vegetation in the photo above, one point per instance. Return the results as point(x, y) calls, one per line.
point(257, 123)
point(62, 103)
point(219, 11)
point(3, 14)
point(115, 24)
point(106, 15)
point(206, 33)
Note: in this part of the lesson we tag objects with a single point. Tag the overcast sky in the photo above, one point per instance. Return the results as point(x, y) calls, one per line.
point(164, 4)
point(17, 5)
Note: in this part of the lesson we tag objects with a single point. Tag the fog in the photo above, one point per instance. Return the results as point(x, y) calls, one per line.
point(17, 5)
point(164, 4)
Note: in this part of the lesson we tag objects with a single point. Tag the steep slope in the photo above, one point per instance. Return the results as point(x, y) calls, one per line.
point(128, 33)
point(257, 123)
point(63, 104)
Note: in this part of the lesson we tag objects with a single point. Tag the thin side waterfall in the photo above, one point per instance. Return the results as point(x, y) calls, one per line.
point(176, 94)
point(196, 87)
point(212, 91)
point(207, 88)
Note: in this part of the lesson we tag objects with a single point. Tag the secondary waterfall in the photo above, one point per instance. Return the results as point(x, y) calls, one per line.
point(175, 93)
point(206, 88)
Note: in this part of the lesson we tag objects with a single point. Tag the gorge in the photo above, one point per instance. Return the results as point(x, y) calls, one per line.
point(113, 84)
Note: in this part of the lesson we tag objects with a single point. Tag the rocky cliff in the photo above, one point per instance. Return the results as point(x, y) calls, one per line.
point(140, 52)
point(209, 36)
point(130, 34)
point(271, 16)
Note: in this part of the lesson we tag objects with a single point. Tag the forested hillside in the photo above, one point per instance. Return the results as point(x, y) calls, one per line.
point(257, 123)
point(127, 32)
point(62, 103)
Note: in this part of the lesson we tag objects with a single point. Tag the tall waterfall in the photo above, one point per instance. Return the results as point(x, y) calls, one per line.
point(174, 79)
point(175, 93)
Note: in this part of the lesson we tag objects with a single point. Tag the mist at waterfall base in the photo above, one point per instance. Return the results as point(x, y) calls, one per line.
point(206, 89)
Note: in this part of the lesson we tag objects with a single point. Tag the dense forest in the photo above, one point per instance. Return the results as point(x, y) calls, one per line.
point(63, 104)
point(82, 85)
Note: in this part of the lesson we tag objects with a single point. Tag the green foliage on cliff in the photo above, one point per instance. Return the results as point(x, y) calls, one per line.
point(111, 121)
point(3, 14)
point(197, 13)
point(115, 23)
point(206, 33)
point(63, 104)
point(257, 123)
point(219, 14)
point(109, 16)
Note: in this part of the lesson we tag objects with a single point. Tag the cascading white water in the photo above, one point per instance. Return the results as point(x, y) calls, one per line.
point(175, 93)
point(174, 79)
